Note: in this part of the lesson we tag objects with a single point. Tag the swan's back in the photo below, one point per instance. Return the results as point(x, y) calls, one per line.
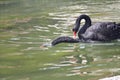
point(102, 31)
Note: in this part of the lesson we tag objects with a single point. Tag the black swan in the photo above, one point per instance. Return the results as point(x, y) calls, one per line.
point(101, 31)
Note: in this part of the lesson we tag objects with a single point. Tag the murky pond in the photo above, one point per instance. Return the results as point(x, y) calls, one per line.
point(27, 25)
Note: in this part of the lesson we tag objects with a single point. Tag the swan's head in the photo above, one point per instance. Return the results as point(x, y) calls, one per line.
point(74, 32)
point(78, 23)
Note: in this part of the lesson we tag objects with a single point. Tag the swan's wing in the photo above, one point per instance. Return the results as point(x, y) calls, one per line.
point(103, 28)
point(110, 30)
point(102, 31)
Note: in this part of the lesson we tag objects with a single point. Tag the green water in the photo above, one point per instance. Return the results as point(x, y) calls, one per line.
point(27, 25)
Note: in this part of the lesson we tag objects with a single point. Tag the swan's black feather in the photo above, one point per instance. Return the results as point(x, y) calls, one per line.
point(64, 39)
point(102, 31)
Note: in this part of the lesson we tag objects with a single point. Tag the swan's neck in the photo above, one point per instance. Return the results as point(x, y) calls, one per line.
point(85, 26)
point(64, 39)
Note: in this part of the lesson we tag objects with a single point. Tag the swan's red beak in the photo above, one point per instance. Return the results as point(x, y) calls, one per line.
point(74, 33)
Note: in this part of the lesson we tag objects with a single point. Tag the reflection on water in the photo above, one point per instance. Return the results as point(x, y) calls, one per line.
point(25, 48)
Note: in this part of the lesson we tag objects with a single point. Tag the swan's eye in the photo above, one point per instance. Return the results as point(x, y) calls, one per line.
point(73, 29)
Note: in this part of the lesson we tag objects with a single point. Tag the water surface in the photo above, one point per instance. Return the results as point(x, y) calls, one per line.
point(34, 23)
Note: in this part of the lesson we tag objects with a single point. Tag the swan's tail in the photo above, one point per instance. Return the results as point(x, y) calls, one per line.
point(64, 39)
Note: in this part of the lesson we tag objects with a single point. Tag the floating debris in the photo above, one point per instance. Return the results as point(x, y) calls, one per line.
point(112, 78)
